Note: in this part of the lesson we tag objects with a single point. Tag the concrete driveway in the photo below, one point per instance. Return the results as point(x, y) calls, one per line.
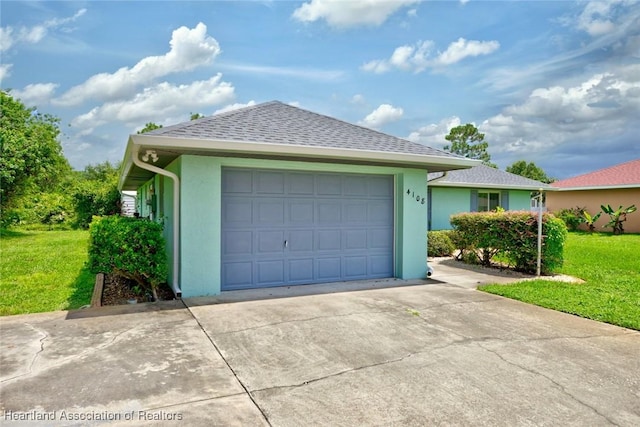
point(384, 353)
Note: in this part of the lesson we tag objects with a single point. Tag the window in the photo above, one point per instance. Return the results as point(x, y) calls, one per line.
point(488, 201)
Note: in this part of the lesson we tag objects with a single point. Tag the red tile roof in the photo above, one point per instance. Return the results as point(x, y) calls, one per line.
point(622, 175)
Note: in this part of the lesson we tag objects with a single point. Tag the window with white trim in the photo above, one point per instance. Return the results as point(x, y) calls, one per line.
point(488, 200)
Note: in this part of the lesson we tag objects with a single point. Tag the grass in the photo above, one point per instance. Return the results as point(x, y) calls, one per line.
point(43, 271)
point(609, 264)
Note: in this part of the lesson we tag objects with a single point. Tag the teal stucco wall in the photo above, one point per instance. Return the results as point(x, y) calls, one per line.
point(519, 200)
point(446, 201)
point(200, 225)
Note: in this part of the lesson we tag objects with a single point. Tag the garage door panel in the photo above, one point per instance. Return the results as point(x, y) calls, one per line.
point(355, 186)
point(329, 268)
point(329, 240)
point(269, 272)
point(301, 212)
point(237, 243)
point(269, 212)
point(237, 274)
point(270, 242)
point(300, 241)
point(270, 182)
point(379, 212)
point(329, 185)
point(238, 212)
point(301, 184)
point(237, 181)
point(380, 238)
point(329, 212)
point(355, 239)
point(355, 267)
point(356, 213)
point(380, 186)
point(380, 266)
point(301, 270)
point(293, 227)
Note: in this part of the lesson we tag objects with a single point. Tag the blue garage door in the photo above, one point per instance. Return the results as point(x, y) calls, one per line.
point(293, 228)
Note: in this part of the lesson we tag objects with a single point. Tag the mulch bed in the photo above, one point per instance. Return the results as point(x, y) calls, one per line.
point(119, 290)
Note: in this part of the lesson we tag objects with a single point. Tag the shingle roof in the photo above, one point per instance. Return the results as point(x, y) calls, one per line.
point(278, 123)
point(482, 175)
point(621, 175)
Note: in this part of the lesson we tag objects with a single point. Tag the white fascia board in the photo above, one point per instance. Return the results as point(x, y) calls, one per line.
point(328, 153)
point(490, 186)
point(598, 187)
point(127, 164)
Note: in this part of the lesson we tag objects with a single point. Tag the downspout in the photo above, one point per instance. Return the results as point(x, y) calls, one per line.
point(176, 214)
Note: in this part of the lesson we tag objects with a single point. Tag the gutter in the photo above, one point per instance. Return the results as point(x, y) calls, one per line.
point(183, 145)
point(176, 214)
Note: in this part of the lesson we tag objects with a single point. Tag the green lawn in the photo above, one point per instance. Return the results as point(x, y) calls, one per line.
point(609, 264)
point(43, 271)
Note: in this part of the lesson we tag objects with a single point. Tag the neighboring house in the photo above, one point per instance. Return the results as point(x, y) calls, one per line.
point(481, 188)
point(129, 203)
point(274, 195)
point(617, 185)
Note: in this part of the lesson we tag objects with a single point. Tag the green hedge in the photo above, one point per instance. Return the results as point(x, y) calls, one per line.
point(131, 247)
point(439, 244)
point(514, 236)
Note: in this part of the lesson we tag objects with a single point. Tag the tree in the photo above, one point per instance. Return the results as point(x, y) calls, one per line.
point(149, 127)
point(468, 142)
point(529, 170)
point(196, 116)
point(30, 151)
point(96, 193)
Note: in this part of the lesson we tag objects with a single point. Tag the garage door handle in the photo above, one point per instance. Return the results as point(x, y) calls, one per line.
point(286, 243)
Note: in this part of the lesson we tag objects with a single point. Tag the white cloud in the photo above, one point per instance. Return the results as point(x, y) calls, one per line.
point(158, 102)
point(352, 13)
point(418, 57)
point(433, 134)
point(596, 17)
point(382, 115)
point(357, 99)
point(377, 66)
point(36, 94)
point(190, 48)
point(578, 117)
point(235, 106)
point(5, 71)
point(461, 49)
point(9, 36)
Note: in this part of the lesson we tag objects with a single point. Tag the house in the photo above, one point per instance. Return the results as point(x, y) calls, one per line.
point(617, 185)
point(480, 188)
point(273, 195)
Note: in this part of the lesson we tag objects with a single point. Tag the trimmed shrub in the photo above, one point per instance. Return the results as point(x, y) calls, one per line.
point(133, 248)
point(572, 218)
point(514, 235)
point(439, 244)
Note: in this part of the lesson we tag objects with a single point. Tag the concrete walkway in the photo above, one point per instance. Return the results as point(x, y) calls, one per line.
point(381, 353)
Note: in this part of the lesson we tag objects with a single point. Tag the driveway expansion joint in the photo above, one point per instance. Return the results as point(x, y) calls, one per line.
point(246, 390)
point(556, 384)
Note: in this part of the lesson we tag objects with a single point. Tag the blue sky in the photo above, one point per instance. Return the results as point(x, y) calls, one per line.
point(556, 83)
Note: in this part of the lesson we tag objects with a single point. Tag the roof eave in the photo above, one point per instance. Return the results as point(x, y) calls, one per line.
point(127, 164)
point(598, 187)
point(180, 146)
point(491, 186)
